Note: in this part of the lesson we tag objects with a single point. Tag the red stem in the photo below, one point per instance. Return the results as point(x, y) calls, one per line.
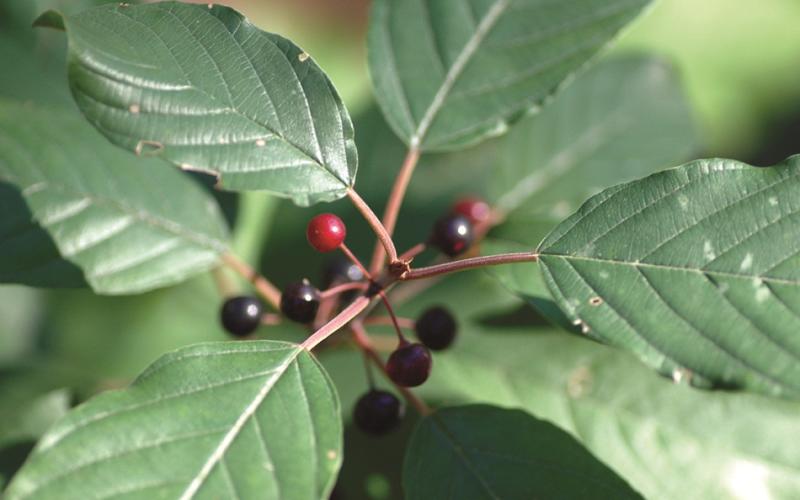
point(393, 206)
point(344, 287)
point(350, 255)
point(464, 264)
point(348, 313)
point(385, 242)
point(267, 290)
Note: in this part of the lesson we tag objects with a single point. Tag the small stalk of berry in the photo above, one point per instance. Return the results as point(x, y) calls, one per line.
point(436, 328)
point(300, 302)
point(452, 235)
point(241, 316)
point(378, 412)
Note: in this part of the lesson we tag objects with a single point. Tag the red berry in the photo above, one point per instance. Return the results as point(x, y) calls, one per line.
point(409, 365)
point(474, 209)
point(326, 232)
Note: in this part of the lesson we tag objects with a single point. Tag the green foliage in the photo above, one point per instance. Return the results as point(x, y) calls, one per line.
point(483, 452)
point(253, 419)
point(450, 73)
point(129, 224)
point(208, 91)
point(694, 269)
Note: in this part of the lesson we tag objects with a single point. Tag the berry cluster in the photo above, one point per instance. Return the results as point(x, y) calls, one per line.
point(409, 365)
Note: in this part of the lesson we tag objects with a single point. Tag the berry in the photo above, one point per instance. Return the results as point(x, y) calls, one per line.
point(241, 316)
point(326, 232)
point(377, 412)
point(436, 328)
point(300, 301)
point(409, 365)
point(474, 209)
point(340, 270)
point(452, 234)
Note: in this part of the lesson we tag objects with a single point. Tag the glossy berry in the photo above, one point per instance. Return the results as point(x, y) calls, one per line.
point(452, 234)
point(474, 209)
point(377, 412)
point(409, 365)
point(241, 316)
point(300, 301)
point(436, 328)
point(340, 270)
point(326, 232)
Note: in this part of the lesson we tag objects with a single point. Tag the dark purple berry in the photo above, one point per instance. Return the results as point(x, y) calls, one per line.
point(409, 365)
point(377, 412)
point(436, 328)
point(300, 301)
point(340, 270)
point(241, 316)
point(452, 234)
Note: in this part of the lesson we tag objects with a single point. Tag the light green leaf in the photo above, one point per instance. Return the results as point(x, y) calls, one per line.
point(483, 452)
point(130, 224)
point(695, 269)
point(622, 119)
point(670, 441)
point(222, 420)
point(207, 90)
point(452, 72)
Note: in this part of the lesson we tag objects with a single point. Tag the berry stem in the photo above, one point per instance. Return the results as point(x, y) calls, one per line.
point(267, 290)
point(361, 338)
point(471, 263)
point(400, 337)
point(348, 313)
point(393, 206)
point(406, 323)
point(412, 252)
point(344, 287)
point(385, 242)
point(270, 319)
point(350, 255)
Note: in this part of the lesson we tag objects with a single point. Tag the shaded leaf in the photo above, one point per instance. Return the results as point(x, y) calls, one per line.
point(449, 73)
point(668, 440)
point(221, 420)
point(622, 119)
point(477, 452)
point(695, 269)
point(130, 224)
point(207, 90)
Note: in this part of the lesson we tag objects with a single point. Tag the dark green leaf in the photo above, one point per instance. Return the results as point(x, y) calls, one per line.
point(484, 452)
point(452, 72)
point(668, 440)
point(695, 269)
point(130, 224)
point(221, 420)
point(622, 119)
point(207, 90)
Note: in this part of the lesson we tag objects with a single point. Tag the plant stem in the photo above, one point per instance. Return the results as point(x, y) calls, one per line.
point(393, 205)
point(267, 290)
point(362, 340)
point(355, 260)
point(464, 264)
point(412, 252)
point(344, 287)
point(348, 314)
point(384, 236)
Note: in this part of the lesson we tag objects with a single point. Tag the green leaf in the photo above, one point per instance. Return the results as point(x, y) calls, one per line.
point(695, 269)
point(483, 452)
point(130, 224)
point(222, 420)
point(206, 90)
point(668, 440)
point(622, 119)
point(450, 73)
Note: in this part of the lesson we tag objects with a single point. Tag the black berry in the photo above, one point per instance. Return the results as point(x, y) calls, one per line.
point(452, 234)
point(300, 301)
point(340, 270)
point(436, 328)
point(377, 412)
point(409, 365)
point(241, 316)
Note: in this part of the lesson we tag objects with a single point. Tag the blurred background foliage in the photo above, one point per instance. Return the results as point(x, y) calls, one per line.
point(738, 60)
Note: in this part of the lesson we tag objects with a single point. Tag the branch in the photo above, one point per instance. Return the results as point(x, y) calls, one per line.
point(348, 313)
point(464, 264)
point(384, 237)
point(267, 290)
